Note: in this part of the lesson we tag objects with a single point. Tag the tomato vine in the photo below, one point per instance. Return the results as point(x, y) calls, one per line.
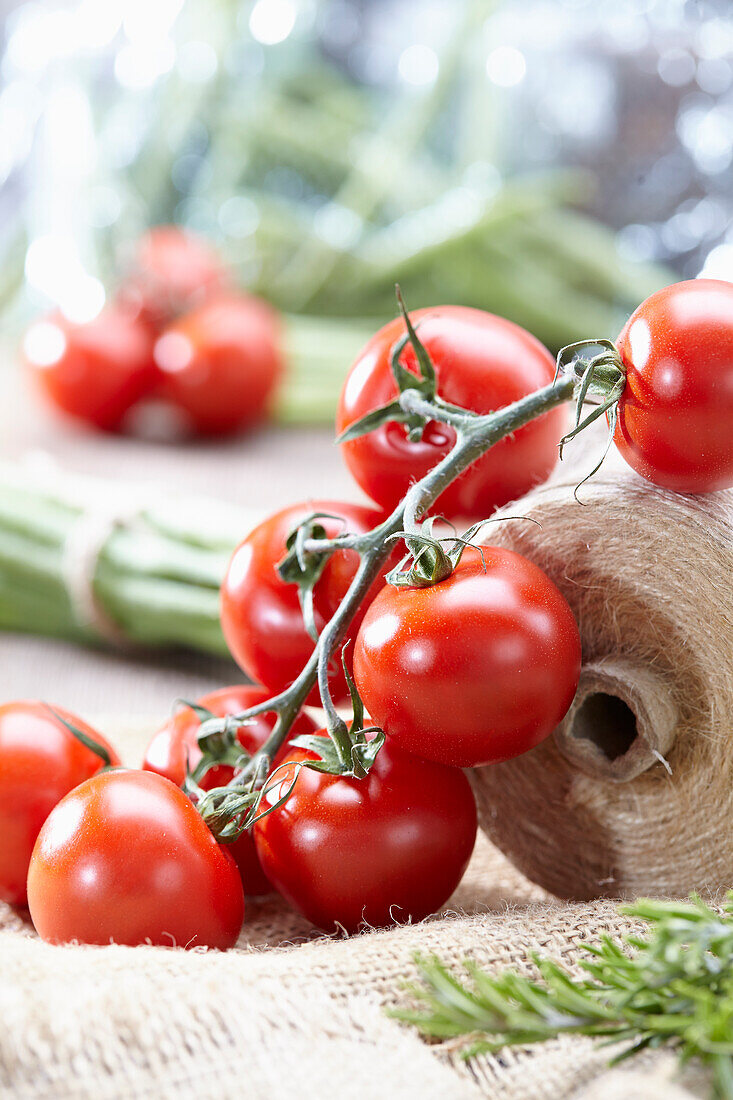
point(682, 333)
point(231, 809)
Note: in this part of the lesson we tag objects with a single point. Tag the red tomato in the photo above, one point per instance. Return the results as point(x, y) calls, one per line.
point(382, 850)
point(675, 424)
point(125, 858)
point(40, 762)
point(261, 615)
point(482, 363)
point(477, 669)
point(221, 362)
point(94, 371)
point(173, 270)
point(177, 742)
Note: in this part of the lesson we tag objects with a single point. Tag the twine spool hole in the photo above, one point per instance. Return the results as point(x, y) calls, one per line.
point(607, 722)
point(621, 722)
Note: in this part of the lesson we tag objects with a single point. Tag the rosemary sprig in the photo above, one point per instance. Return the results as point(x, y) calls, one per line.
point(671, 987)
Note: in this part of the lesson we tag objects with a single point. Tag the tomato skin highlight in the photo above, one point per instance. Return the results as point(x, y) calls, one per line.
point(377, 851)
point(125, 858)
point(173, 270)
point(675, 423)
point(261, 615)
point(40, 762)
point(177, 742)
point(94, 371)
point(482, 362)
point(475, 670)
point(221, 362)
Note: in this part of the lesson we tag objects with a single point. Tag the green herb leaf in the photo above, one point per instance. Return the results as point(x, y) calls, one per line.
point(672, 986)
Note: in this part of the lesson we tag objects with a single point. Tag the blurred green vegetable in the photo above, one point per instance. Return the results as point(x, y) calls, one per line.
point(342, 190)
point(322, 192)
point(155, 571)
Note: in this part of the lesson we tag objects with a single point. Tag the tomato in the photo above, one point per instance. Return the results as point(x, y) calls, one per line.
point(173, 270)
point(177, 742)
point(382, 850)
point(477, 669)
point(675, 422)
point(261, 615)
point(482, 363)
point(40, 762)
point(126, 858)
point(221, 363)
point(94, 371)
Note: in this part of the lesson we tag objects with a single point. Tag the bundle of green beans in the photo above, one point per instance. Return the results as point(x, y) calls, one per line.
point(156, 576)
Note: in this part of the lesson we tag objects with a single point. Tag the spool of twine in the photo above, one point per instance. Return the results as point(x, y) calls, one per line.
point(633, 793)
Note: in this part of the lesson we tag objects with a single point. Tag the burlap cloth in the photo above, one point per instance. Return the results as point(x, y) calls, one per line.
point(288, 1014)
point(291, 1013)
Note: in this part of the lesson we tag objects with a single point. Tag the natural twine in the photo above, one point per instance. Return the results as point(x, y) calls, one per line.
point(634, 799)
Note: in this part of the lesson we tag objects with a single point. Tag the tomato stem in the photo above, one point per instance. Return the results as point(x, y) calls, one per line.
point(475, 434)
